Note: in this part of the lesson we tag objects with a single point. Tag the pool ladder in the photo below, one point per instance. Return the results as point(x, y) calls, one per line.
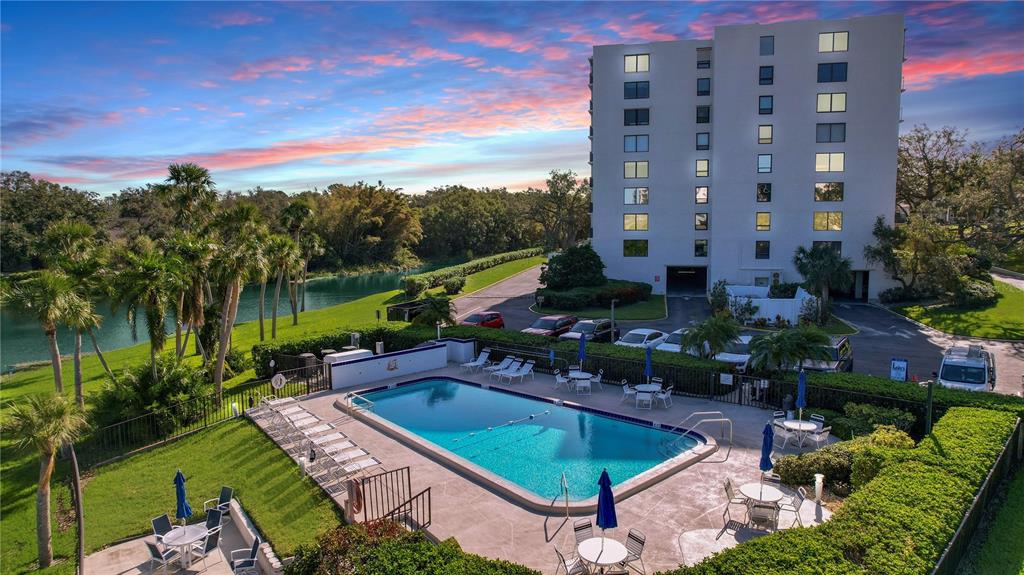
point(671, 447)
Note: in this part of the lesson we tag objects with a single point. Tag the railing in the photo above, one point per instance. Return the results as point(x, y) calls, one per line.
point(415, 513)
point(669, 447)
point(1009, 461)
point(384, 492)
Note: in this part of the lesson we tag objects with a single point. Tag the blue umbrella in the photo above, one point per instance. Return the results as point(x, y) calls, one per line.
point(582, 353)
point(801, 393)
point(551, 357)
point(767, 443)
point(648, 370)
point(605, 505)
point(184, 509)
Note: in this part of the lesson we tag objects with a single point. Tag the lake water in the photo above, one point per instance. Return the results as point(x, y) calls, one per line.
point(22, 339)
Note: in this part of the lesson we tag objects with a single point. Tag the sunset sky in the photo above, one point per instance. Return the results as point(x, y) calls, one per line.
point(297, 94)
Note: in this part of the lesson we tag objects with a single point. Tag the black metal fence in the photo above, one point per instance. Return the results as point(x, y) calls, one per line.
point(1010, 460)
point(164, 425)
point(383, 492)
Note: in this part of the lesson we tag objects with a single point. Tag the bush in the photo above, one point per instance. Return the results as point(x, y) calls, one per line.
point(861, 418)
point(418, 283)
point(238, 361)
point(742, 309)
point(972, 293)
point(838, 460)
point(718, 297)
point(134, 392)
point(577, 266)
point(899, 294)
point(452, 286)
point(783, 290)
point(595, 296)
point(414, 285)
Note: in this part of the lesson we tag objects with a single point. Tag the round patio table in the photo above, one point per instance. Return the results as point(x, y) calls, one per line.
point(580, 375)
point(802, 428)
point(648, 388)
point(601, 551)
point(183, 538)
point(762, 492)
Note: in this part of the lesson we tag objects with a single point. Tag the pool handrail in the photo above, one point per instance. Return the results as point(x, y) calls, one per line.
point(350, 401)
point(683, 431)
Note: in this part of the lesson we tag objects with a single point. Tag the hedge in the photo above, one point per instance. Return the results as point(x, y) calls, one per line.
point(626, 292)
point(899, 522)
point(415, 284)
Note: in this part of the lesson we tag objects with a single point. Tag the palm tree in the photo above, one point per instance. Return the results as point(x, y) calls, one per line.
point(148, 280)
point(81, 317)
point(47, 294)
point(825, 269)
point(281, 254)
point(311, 246)
point(711, 336)
point(45, 422)
point(192, 251)
point(296, 217)
point(190, 190)
point(436, 309)
point(791, 347)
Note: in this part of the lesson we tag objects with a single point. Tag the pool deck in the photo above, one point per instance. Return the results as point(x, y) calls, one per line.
point(679, 515)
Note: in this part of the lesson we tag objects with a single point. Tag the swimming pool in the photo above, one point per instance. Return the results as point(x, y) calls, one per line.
point(529, 442)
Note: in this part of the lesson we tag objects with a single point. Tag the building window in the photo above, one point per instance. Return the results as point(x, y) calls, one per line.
point(637, 90)
point(767, 45)
point(764, 134)
point(633, 170)
point(832, 72)
point(638, 63)
point(830, 162)
point(762, 250)
point(833, 41)
point(763, 221)
point(703, 114)
point(764, 163)
point(828, 221)
point(634, 248)
point(835, 102)
point(765, 105)
point(764, 192)
point(766, 75)
point(703, 140)
point(828, 191)
point(700, 221)
point(837, 247)
point(700, 194)
point(636, 143)
point(634, 222)
point(700, 248)
point(703, 168)
point(703, 86)
point(829, 133)
point(703, 64)
point(635, 196)
point(637, 117)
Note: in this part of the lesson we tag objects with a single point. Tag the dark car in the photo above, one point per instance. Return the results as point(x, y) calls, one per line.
point(840, 357)
point(552, 325)
point(484, 319)
point(591, 330)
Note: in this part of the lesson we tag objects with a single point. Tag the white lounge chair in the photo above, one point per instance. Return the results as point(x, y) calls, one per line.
point(627, 392)
point(337, 446)
point(330, 437)
point(360, 465)
point(522, 372)
point(348, 456)
point(503, 364)
point(480, 361)
point(510, 370)
point(665, 396)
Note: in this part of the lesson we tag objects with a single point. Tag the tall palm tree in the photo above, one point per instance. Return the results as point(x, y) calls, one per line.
point(790, 347)
point(436, 309)
point(711, 336)
point(81, 317)
point(825, 269)
point(193, 252)
point(259, 271)
point(297, 216)
point(148, 280)
point(44, 422)
point(47, 295)
point(311, 246)
point(282, 253)
point(191, 192)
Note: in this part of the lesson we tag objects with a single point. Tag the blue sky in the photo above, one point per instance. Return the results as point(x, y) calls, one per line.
point(293, 95)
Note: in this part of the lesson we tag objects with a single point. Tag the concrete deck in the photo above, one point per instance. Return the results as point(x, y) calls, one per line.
point(132, 557)
point(680, 515)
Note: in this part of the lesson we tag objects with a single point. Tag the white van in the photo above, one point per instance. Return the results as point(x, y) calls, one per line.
point(971, 368)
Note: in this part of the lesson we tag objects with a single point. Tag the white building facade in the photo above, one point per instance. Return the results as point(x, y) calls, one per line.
point(716, 159)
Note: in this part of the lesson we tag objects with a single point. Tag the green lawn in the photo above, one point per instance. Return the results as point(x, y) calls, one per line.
point(1002, 553)
point(653, 308)
point(1004, 320)
point(836, 326)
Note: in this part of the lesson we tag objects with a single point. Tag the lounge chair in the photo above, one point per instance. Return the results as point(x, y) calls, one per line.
point(644, 400)
point(348, 455)
point(329, 438)
point(794, 504)
point(243, 561)
point(222, 503)
point(561, 380)
point(480, 361)
point(332, 448)
point(572, 566)
point(665, 396)
point(627, 392)
point(360, 465)
point(583, 529)
point(821, 437)
point(521, 373)
point(635, 543)
point(202, 549)
point(162, 558)
point(503, 364)
point(511, 369)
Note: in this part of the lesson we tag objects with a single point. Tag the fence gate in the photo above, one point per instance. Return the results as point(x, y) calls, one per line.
point(388, 495)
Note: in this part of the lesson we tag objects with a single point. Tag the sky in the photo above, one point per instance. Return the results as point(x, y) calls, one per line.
point(297, 95)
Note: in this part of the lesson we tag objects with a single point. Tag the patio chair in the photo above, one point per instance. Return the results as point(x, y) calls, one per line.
point(583, 529)
point(764, 514)
point(596, 380)
point(503, 364)
point(793, 504)
point(729, 523)
point(244, 560)
point(162, 558)
point(821, 437)
point(222, 503)
point(818, 420)
point(561, 380)
point(627, 391)
point(161, 527)
point(213, 520)
point(644, 400)
point(657, 381)
point(730, 494)
point(202, 549)
point(778, 415)
point(575, 368)
point(782, 433)
point(773, 478)
point(665, 396)
point(480, 361)
point(635, 543)
point(512, 368)
point(582, 387)
point(572, 566)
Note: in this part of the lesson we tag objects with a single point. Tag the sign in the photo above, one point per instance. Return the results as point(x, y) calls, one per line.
point(898, 369)
point(726, 379)
point(278, 381)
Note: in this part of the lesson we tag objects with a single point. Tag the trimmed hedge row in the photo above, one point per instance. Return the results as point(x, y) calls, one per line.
point(626, 292)
point(416, 283)
point(899, 522)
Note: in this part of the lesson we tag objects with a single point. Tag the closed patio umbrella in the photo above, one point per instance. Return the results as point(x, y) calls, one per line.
point(648, 369)
point(184, 510)
point(767, 443)
point(801, 394)
point(605, 505)
point(582, 353)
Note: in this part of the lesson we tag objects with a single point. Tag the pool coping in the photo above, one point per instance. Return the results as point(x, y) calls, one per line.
point(512, 491)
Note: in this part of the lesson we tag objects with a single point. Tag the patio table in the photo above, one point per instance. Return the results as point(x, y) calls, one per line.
point(580, 375)
point(763, 492)
point(648, 387)
point(183, 538)
point(601, 551)
point(801, 428)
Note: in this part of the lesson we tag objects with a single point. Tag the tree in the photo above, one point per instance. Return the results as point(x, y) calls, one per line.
point(193, 252)
point(562, 209)
point(310, 246)
point(824, 269)
point(922, 255)
point(711, 336)
point(577, 266)
point(436, 309)
point(930, 165)
point(191, 192)
point(81, 317)
point(790, 347)
point(282, 254)
point(47, 295)
point(45, 423)
point(150, 280)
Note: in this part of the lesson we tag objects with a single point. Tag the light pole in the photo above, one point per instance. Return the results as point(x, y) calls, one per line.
point(614, 301)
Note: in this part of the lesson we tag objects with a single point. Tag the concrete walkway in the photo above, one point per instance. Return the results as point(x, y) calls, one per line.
point(132, 557)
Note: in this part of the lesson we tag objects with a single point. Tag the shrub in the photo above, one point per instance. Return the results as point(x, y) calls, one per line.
point(718, 297)
point(238, 361)
point(809, 312)
point(416, 284)
point(972, 293)
point(899, 294)
point(743, 309)
point(577, 266)
point(134, 392)
point(837, 461)
point(452, 286)
point(861, 418)
point(783, 290)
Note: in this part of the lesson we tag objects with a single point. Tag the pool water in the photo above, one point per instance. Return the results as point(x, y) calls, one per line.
point(526, 441)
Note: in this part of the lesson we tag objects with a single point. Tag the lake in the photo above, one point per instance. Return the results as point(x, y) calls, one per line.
point(22, 339)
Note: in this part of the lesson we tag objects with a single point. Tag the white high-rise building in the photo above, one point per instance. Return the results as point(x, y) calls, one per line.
point(716, 159)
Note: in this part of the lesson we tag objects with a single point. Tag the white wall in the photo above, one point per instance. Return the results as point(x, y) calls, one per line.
point(397, 364)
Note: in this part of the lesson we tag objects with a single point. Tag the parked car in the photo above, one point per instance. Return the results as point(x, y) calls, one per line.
point(642, 337)
point(736, 353)
point(972, 368)
point(591, 330)
point(672, 342)
point(484, 319)
point(840, 357)
point(552, 325)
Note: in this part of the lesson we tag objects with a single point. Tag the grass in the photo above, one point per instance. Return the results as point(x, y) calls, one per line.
point(1004, 320)
point(653, 308)
point(836, 326)
point(1002, 552)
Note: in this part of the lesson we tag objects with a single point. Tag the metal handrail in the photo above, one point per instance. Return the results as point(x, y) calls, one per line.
point(350, 398)
point(680, 425)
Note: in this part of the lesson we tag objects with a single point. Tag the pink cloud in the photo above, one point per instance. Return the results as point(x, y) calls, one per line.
point(704, 25)
point(576, 33)
point(924, 73)
point(272, 67)
point(494, 39)
point(390, 60)
point(236, 18)
point(525, 73)
point(257, 101)
point(554, 53)
point(646, 31)
point(209, 84)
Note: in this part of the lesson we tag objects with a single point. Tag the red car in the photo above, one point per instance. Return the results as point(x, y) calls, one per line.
point(552, 325)
point(484, 319)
